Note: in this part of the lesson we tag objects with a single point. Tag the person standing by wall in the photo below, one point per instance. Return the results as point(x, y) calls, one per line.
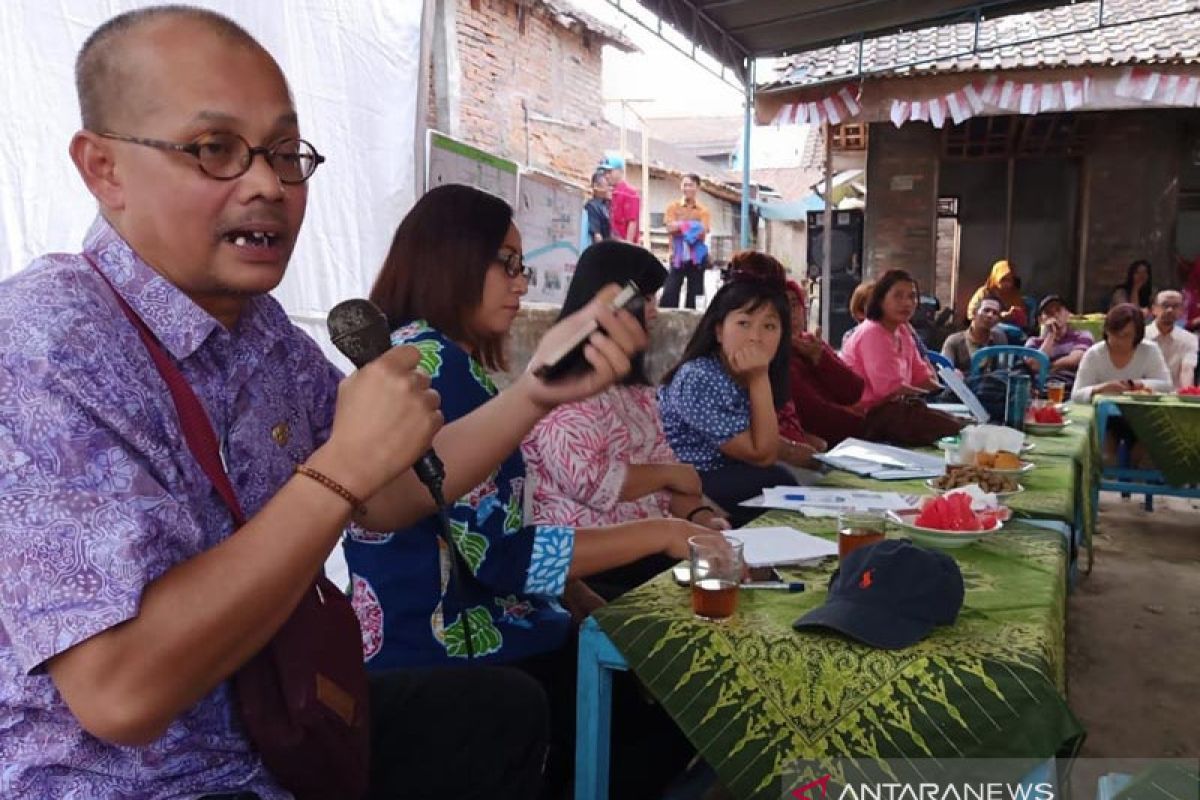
point(689, 224)
point(626, 202)
point(597, 212)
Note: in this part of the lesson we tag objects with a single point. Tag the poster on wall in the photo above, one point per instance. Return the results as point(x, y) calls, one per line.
point(548, 214)
point(450, 161)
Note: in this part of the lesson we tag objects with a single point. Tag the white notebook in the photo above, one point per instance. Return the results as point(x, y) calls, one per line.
point(765, 547)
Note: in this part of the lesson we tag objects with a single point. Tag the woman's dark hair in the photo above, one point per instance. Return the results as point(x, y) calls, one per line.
point(750, 295)
point(753, 265)
point(859, 298)
point(1143, 295)
point(1121, 315)
point(619, 262)
point(882, 287)
point(436, 266)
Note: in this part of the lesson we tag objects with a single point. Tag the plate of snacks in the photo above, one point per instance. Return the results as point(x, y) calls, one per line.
point(1003, 463)
point(1045, 421)
point(987, 480)
point(950, 521)
point(1189, 394)
point(1145, 394)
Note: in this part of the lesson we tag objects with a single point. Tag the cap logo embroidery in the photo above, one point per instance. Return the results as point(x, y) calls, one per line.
point(867, 578)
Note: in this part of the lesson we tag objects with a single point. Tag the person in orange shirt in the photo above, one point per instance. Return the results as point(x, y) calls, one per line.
point(689, 224)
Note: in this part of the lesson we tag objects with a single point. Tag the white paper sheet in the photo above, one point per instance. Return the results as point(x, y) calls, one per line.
point(765, 547)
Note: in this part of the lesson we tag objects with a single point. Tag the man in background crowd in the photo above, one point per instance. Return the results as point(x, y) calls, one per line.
point(626, 202)
point(688, 222)
point(1178, 346)
point(960, 346)
point(1063, 344)
point(597, 212)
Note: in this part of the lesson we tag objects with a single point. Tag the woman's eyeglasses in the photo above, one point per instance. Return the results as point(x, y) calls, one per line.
point(514, 265)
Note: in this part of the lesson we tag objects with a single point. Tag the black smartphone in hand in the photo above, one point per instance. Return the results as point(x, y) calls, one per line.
point(569, 358)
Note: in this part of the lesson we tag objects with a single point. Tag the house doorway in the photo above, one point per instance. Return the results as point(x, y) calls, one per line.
point(1013, 186)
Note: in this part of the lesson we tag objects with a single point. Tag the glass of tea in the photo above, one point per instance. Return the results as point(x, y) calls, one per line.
point(716, 567)
point(858, 529)
point(1056, 391)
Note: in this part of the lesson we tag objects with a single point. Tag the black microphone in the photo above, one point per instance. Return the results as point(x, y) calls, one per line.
point(360, 332)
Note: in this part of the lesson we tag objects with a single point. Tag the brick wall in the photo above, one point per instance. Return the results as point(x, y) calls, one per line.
point(1132, 198)
point(902, 167)
point(509, 53)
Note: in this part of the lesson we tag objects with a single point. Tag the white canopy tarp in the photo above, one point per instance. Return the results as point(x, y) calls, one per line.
point(354, 69)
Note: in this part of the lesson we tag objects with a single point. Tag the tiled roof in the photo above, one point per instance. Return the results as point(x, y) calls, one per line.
point(1135, 32)
point(568, 16)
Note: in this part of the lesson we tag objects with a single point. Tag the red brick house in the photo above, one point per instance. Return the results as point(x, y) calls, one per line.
point(521, 79)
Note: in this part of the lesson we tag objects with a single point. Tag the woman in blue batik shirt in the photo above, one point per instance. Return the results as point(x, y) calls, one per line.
point(451, 287)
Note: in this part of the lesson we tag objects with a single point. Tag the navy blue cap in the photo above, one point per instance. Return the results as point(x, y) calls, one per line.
point(890, 595)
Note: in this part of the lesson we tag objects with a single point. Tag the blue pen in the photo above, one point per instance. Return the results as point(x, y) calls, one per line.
point(793, 586)
point(800, 498)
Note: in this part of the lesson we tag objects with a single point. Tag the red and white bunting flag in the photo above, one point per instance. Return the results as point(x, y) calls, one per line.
point(919, 112)
point(1007, 99)
point(937, 112)
point(1124, 86)
point(899, 113)
point(1170, 89)
point(1051, 97)
point(1189, 91)
point(812, 113)
point(1072, 95)
point(831, 108)
point(1030, 94)
point(974, 98)
point(957, 103)
point(1087, 88)
point(783, 115)
point(991, 90)
point(1148, 89)
point(852, 106)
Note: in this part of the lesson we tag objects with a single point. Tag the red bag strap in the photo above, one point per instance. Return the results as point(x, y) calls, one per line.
point(193, 419)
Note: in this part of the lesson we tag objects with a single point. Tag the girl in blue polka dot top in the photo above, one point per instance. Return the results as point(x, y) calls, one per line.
point(719, 403)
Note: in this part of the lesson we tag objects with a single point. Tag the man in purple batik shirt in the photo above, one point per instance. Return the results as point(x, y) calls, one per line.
point(127, 600)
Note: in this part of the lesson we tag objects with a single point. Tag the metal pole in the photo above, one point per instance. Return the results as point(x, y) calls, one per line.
point(747, 124)
point(827, 237)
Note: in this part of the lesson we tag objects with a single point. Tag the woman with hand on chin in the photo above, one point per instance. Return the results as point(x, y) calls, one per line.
point(719, 403)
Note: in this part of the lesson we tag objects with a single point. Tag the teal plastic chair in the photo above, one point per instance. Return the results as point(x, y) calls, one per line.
point(1005, 356)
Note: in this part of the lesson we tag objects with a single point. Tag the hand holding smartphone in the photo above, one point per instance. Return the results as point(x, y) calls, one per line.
point(569, 359)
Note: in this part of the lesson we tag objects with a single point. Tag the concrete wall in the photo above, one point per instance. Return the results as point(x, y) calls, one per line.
point(1131, 198)
point(668, 336)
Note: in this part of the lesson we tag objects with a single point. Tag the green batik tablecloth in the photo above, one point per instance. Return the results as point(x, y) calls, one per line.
point(1169, 429)
point(1092, 323)
point(753, 695)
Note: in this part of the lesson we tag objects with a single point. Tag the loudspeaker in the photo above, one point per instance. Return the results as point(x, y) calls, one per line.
point(847, 243)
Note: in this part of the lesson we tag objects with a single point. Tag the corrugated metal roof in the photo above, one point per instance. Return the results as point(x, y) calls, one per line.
point(1136, 32)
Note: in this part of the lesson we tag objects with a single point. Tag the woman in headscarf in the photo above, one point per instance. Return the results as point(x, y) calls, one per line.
point(1002, 283)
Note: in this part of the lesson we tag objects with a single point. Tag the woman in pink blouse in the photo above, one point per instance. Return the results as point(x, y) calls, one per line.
point(882, 350)
point(606, 459)
point(884, 353)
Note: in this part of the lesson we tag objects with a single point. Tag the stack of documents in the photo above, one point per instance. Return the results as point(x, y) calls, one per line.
point(882, 462)
point(767, 547)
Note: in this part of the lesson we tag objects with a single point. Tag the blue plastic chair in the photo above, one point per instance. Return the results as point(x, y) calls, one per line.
point(1007, 355)
point(939, 360)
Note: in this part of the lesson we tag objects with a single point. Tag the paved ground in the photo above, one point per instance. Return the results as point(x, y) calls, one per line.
point(1133, 633)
